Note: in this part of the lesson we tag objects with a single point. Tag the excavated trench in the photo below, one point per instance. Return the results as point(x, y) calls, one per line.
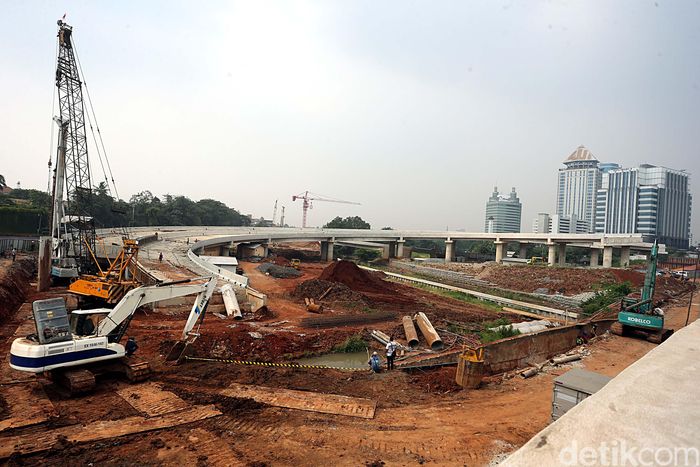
point(14, 286)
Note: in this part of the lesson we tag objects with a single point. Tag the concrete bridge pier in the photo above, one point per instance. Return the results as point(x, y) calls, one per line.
point(449, 251)
point(390, 250)
point(562, 254)
point(399, 248)
point(500, 250)
point(624, 256)
point(327, 250)
point(595, 257)
point(552, 254)
point(266, 248)
point(607, 256)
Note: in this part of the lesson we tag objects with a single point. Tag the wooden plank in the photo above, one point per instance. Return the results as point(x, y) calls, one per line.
point(151, 399)
point(28, 405)
point(96, 431)
point(304, 400)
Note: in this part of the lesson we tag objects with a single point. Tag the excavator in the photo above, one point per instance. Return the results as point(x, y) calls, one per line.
point(75, 347)
point(639, 317)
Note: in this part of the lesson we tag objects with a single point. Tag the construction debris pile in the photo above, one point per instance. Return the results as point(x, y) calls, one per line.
point(280, 272)
point(329, 291)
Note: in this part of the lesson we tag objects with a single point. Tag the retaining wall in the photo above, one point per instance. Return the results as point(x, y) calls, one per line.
point(529, 349)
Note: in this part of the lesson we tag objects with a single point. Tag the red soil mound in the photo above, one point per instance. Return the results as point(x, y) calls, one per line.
point(347, 272)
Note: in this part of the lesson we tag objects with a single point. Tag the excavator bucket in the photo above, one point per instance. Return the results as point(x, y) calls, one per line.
point(179, 351)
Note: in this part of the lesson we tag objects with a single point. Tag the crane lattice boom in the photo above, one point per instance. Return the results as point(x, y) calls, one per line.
point(307, 197)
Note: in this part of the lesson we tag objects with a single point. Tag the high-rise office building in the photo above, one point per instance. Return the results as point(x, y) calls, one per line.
point(503, 214)
point(578, 183)
point(653, 201)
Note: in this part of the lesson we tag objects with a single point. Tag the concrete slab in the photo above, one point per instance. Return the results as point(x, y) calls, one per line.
point(650, 411)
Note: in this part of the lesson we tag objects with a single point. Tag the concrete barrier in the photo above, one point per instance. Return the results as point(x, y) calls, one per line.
point(236, 279)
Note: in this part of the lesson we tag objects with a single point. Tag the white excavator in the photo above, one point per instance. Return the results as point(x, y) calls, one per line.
point(75, 347)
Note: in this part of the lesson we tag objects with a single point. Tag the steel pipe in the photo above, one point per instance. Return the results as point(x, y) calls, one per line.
point(428, 331)
point(410, 330)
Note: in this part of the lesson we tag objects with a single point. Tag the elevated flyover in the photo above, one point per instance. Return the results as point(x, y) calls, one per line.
point(197, 238)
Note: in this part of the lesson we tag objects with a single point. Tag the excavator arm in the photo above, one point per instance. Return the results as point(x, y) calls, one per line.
point(149, 294)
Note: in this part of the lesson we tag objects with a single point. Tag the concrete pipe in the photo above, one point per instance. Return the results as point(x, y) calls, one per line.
point(428, 331)
point(565, 359)
point(230, 302)
point(411, 333)
point(529, 372)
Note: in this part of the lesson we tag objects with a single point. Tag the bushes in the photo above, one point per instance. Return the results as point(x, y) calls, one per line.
point(608, 295)
point(354, 343)
point(489, 335)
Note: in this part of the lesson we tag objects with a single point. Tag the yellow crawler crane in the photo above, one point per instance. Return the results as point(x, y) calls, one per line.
point(112, 284)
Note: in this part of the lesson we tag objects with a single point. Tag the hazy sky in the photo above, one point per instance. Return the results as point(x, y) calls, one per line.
point(415, 109)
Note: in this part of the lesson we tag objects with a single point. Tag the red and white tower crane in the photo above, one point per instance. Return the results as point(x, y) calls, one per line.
point(307, 197)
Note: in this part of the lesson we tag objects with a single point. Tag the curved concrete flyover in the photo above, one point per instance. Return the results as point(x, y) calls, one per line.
point(205, 236)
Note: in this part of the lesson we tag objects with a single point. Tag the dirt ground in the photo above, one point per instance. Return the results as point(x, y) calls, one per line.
point(421, 417)
point(563, 280)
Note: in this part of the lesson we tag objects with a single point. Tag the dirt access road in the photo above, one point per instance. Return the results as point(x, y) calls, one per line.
point(420, 418)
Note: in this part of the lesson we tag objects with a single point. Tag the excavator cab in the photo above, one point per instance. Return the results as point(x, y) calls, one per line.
point(85, 322)
point(51, 320)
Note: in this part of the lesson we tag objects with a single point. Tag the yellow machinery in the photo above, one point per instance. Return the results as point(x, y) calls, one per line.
point(536, 260)
point(470, 367)
point(112, 284)
point(295, 263)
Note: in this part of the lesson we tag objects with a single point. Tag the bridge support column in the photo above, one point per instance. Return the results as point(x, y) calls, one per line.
point(449, 251)
point(624, 256)
point(399, 248)
point(500, 250)
point(562, 254)
point(266, 248)
point(595, 257)
point(327, 250)
point(552, 254)
point(607, 256)
point(390, 250)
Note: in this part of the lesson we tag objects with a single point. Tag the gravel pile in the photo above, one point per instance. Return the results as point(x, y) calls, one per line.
point(280, 272)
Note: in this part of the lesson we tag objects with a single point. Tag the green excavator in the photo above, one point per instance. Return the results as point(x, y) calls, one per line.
point(639, 317)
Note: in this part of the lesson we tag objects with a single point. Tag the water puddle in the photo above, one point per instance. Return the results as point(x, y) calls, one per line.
point(338, 360)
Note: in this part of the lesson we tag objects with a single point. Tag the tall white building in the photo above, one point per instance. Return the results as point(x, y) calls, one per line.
point(503, 213)
point(649, 200)
point(579, 181)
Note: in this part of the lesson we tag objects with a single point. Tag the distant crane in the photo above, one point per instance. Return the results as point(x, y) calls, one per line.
point(274, 214)
point(307, 197)
point(282, 218)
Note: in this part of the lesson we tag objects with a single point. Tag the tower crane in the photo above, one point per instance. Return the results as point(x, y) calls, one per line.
point(307, 197)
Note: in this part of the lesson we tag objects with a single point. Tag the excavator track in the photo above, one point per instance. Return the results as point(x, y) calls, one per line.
point(136, 371)
point(76, 381)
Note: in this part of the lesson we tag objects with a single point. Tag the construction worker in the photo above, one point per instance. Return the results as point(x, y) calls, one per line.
point(375, 363)
point(131, 346)
point(160, 257)
point(14, 254)
point(391, 347)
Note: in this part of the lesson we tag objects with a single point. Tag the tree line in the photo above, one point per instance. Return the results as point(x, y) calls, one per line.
point(25, 211)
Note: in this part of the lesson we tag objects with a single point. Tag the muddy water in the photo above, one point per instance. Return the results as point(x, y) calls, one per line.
point(346, 360)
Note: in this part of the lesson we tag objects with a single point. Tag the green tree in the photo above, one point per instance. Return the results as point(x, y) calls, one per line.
point(354, 222)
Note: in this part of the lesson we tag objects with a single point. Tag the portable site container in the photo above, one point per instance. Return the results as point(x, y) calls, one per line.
point(574, 386)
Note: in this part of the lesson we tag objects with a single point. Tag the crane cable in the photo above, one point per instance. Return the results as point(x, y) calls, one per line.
point(97, 126)
point(53, 110)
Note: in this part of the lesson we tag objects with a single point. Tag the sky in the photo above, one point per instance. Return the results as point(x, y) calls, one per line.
point(415, 109)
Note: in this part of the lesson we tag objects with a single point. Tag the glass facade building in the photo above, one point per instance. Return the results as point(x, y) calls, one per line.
point(653, 201)
point(503, 213)
point(577, 186)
